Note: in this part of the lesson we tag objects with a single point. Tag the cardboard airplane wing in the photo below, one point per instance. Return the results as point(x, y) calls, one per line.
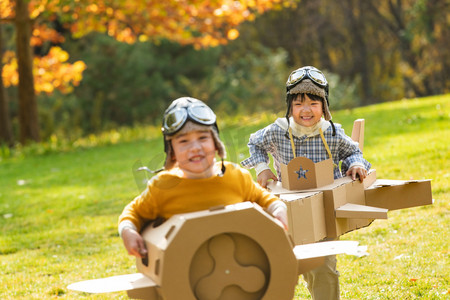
point(113, 284)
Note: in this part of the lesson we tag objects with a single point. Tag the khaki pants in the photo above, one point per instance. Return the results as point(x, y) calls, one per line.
point(323, 282)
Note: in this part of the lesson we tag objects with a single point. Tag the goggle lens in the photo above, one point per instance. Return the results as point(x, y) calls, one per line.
point(202, 114)
point(318, 77)
point(296, 76)
point(174, 120)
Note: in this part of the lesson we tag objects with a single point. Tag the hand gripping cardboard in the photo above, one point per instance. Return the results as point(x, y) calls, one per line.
point(347, 205)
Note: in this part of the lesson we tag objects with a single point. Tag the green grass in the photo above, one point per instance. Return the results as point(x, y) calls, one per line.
point(59, 204)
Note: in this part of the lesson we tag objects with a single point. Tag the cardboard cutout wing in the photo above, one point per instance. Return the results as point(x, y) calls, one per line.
point(113, 284)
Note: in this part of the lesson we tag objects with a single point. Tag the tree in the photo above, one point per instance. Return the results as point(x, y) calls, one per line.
point(202, 23)
point(19, 71)
point(421, 29)
point(28, 113)
point(5, 121)
point(389, 48)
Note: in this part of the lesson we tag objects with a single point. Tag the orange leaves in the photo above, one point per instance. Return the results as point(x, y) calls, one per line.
point(202, 23)
point(42, 33)
point(50, 72)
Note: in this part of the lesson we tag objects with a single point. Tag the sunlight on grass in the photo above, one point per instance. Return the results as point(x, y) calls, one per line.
point(60, 200)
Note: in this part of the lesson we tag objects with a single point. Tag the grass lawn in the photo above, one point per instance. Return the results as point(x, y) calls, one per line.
point(59, 209)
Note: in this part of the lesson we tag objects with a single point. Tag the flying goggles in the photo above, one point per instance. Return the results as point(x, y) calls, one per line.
point(198, 112)
point(312, 73)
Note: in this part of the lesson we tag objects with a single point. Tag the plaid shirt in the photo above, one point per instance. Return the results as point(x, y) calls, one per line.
point(275, 140)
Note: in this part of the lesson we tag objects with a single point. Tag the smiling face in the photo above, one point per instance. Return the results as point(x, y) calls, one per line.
point(306, 111)
point(195, 153)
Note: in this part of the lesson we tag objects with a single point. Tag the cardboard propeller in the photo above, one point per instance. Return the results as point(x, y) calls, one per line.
point(232, 252)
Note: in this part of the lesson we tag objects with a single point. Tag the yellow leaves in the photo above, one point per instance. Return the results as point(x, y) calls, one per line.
point(59, 54)
point(36, 8)
point(92, 8)
point(143, 38)
point(232, 34)
point(9, 74)
point(126, 36)
point(50, 72)
point(54, 73)
point(6, 9)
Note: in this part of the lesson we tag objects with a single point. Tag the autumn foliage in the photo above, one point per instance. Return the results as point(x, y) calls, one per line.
point(202, 23)
point(50, 72)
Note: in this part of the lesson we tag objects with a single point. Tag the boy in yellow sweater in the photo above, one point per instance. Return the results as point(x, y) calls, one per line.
point(192, 180)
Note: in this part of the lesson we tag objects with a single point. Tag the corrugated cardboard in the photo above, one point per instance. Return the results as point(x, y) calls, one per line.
point(356, 211)
point(318, 251)
point(343, 191)
point(302, 173)
point(335, 195)
point(370, 179)
point(350, 205)
point(276, 187)
point(231, 252)
point(306, 217)
point(358, 133)
point(149, 293)
point(114, 284)
point(398, 194)
point(189, 256)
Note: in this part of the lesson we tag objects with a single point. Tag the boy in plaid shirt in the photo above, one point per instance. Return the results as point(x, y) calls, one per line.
point(307, 116)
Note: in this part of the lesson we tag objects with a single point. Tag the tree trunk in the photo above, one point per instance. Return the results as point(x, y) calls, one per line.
point(6, 136)
point(28, 111)
point(360, 59)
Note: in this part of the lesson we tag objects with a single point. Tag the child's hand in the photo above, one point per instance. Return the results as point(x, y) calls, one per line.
point(134, 243)
point(278, 210)
point(265, 176)
point(282, 217)
point(357, 170)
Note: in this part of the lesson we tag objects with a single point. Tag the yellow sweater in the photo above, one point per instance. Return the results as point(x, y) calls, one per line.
point(168, 194)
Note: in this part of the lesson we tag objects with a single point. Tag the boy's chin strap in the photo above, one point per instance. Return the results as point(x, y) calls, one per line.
point(334, 128)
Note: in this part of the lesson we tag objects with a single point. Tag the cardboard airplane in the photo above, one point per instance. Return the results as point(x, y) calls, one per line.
point(229, 252)
point(320, 207)
point(239, 252)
